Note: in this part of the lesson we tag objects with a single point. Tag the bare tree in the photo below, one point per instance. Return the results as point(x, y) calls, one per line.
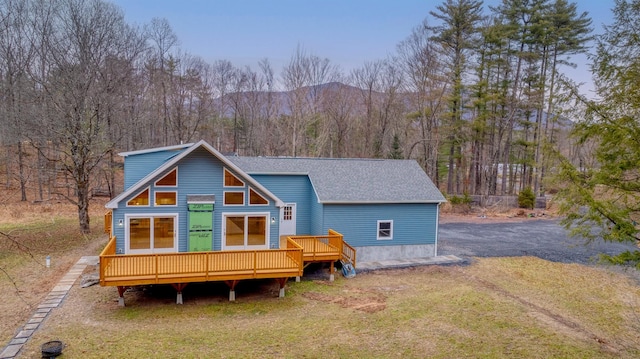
point(425, 85)
point(89, 34)
point(163, 40)
point(16, 54)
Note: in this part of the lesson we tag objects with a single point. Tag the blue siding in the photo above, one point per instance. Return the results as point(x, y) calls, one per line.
point(292, 189)
point(198, 173)
point(316, 216)
point(138, 166)
point(412, 223)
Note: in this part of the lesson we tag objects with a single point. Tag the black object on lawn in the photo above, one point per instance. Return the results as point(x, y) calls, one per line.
point(52, 349)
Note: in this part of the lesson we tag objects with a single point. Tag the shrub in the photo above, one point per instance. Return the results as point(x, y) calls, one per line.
point(460, 199)
point(526, 198)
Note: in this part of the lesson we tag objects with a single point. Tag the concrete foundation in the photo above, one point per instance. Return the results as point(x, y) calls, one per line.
point(383, 253)
point(281, 294)
point(179, 298)
point(232, 295)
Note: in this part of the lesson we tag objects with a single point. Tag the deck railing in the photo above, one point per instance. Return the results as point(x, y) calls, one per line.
point(348, 253)
point(166, 268)
point(108, 218)
point(319, 248)
point(185, 267)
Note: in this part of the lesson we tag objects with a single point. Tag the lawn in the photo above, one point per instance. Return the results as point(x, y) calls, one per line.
point(498, 307)
point(520, 307)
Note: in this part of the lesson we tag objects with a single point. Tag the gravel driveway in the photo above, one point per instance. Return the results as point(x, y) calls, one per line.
point(545, 239)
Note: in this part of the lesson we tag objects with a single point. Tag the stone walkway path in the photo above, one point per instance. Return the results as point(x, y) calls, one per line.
point(51, 301)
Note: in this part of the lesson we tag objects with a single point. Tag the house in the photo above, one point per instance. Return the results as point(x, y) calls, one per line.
point(189, 214)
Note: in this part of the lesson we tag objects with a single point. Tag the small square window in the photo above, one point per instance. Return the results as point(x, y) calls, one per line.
point(166, 198)
point(385, 229)
point(234, 198)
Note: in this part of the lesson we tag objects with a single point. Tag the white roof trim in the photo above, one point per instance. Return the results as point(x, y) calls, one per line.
point(114, 202)
point(277, 173)
point(383, 202)
point(157, 149)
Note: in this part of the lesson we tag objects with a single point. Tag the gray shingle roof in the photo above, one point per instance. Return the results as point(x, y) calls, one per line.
point(352, 180)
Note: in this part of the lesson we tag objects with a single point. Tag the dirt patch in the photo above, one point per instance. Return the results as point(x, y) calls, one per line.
point(367, 301)
point(481, 215)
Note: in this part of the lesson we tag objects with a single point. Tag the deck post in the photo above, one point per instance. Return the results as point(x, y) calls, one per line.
point(331, 277)
point(282, 282)
point(179, 287)
point(232, 289)
point(121, 290)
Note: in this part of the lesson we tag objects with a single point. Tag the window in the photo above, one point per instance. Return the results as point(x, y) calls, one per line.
point(287, 213)
point(385, 229)
point(234, 198)
point(245, 231)
point(256, 199)
point(142, 199)
point(166, 198)
point(152, 234)
point(170, 180)
point(231, 181)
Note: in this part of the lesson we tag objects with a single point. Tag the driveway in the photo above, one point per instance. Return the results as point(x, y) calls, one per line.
point(545, 239)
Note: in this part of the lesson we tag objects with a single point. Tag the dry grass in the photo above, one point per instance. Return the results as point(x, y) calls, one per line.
point(30, 232)
point(494, 308)
point(499, 307)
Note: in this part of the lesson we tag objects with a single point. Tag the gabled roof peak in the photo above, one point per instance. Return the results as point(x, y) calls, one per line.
point(186, 150)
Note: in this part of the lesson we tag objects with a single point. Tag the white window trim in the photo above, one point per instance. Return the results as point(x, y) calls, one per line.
point(165, 186)
point(155, 199)
point(225, 185)
point(223, 230)
point(127, 240)
point(141, 205)
point(224, 203)
point(257, 205)
point(390, 230)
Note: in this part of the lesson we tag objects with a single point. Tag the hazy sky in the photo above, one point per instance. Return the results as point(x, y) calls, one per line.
point(348, 32)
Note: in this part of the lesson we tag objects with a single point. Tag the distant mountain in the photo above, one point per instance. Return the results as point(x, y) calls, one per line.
point(280, 100)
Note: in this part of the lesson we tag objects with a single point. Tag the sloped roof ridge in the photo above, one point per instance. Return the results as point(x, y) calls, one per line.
point(156, 149)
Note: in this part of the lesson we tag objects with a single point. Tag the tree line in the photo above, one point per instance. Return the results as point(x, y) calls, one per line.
point(475, 94)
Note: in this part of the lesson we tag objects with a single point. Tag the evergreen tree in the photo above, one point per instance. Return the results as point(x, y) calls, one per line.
point(456, 34)
point(396, 150)
point(607, 195)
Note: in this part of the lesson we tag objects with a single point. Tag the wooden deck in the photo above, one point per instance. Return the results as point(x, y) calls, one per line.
point(179, 269)
point(169, 268)
point(329, 248)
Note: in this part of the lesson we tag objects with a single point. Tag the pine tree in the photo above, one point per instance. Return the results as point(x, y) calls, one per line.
point(606, 197)
point(459, 29)
point(396, 150)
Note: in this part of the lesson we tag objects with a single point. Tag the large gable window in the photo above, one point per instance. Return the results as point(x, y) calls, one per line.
point(385, 230)
point(255, 199)
point(170, 180)
point(142, 199)
point(231, 181)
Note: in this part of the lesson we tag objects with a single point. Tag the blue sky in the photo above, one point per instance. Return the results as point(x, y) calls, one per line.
point(348, 32)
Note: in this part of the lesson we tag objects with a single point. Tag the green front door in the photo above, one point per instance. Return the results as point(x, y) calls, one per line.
point(200, 227)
